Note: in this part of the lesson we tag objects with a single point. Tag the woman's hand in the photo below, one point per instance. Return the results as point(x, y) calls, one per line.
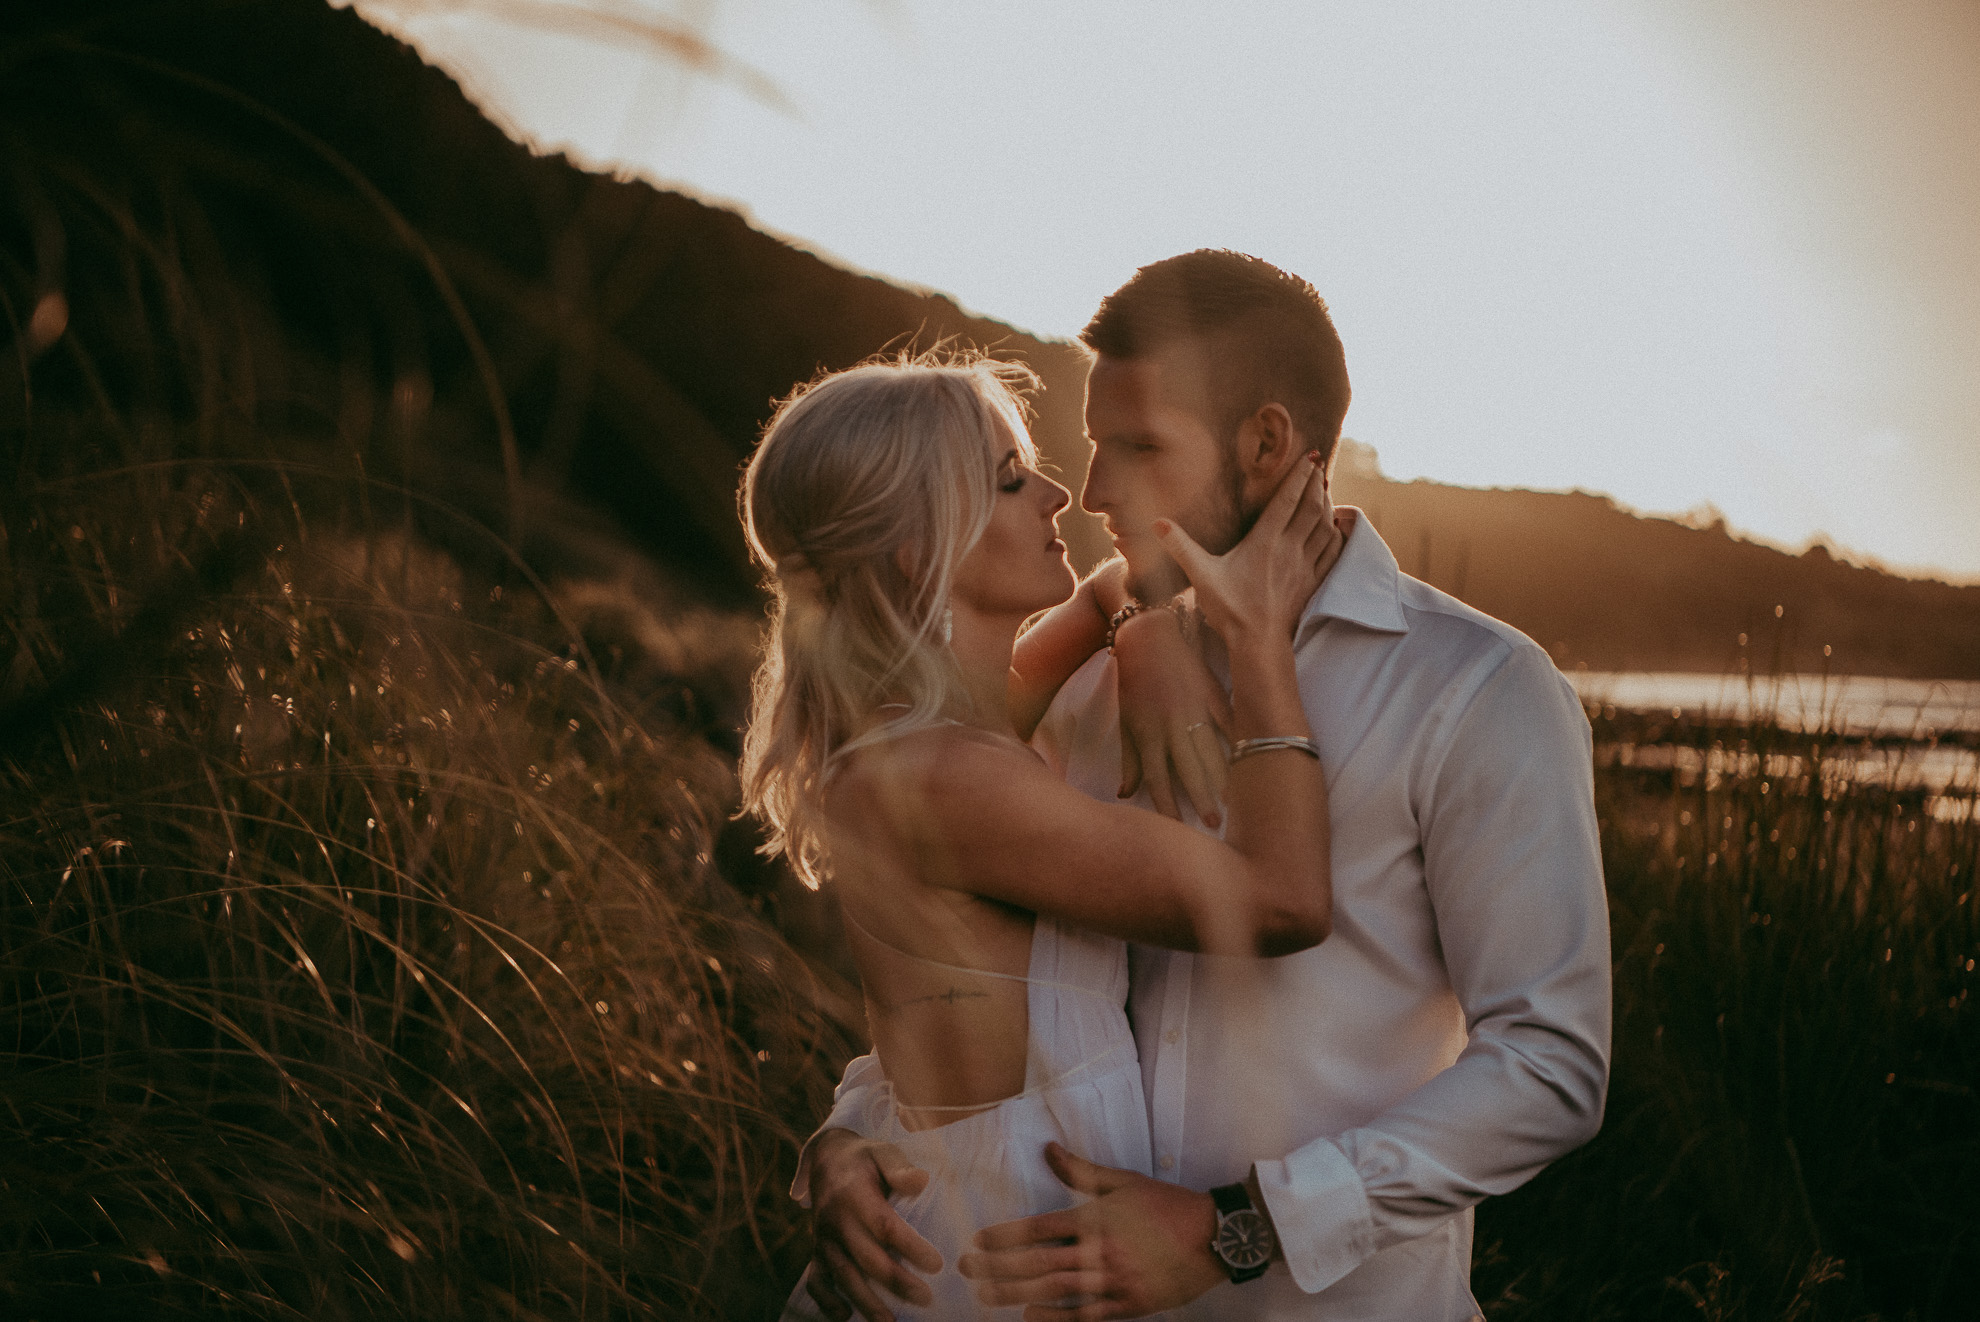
point(1259, 587)
point(1173, 717)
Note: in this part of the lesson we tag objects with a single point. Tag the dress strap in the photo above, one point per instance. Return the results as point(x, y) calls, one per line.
point(1026, 979)
point(868, 933)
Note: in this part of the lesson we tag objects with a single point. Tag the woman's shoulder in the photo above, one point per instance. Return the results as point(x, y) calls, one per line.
point(922, 767)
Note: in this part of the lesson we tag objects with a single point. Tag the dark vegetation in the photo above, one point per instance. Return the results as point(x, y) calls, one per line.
point(373, 939)
point(362, 951)
point(1793, 1127)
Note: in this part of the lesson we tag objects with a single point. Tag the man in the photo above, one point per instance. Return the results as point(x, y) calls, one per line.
point(1331, 1116)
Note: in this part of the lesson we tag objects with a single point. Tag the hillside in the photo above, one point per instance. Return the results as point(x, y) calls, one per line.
point(1600, 586)
point(339, 258)
point(267, 219)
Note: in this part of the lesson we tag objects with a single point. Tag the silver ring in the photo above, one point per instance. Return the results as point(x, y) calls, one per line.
point(1193, 728)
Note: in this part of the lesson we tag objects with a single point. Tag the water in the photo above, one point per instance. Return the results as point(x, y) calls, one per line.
point(1853, 704)
point(1917, 710)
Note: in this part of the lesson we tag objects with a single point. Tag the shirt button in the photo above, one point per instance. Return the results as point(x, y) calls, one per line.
point(1166, 1162)
point(1172, 1036)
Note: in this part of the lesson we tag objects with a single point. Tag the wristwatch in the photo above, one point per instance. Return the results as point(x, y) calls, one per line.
point(1244, 1242)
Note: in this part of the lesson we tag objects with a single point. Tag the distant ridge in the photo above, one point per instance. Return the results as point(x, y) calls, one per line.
point(634, 339)
point(1603, 587)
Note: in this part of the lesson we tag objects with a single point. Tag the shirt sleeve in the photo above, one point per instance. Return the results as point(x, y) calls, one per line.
point(852, 1101)
point(1513, 866)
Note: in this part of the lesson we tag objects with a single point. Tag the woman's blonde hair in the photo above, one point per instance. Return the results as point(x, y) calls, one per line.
point(869, 488)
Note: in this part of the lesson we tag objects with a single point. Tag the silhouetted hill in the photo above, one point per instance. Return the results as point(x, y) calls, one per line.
point(255, 227)
point(1600, 586)
point(269, 219)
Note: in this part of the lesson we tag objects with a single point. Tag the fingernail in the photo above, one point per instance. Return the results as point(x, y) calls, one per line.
point(1161, 527)
point(1313, 455)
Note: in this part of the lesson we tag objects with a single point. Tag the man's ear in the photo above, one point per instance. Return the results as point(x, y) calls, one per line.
point(1267, 443)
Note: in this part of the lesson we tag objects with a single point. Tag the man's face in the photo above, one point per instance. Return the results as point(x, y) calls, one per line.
point(1157, 454)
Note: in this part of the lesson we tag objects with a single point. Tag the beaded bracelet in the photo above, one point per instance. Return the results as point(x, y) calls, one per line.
point(1179, 607)
point(1244, 748)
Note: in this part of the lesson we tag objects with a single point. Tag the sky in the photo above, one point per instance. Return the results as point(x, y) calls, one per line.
point(1688, 253)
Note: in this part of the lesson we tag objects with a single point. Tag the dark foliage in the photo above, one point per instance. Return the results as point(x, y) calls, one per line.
point(1794, 1119)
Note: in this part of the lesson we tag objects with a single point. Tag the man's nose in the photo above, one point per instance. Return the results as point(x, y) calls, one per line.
point(1093, 492)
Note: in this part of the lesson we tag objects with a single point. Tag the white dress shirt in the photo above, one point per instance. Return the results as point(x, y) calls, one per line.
point(1451, 1037)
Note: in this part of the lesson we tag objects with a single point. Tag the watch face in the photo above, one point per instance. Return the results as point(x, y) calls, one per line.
point(1244, 1240)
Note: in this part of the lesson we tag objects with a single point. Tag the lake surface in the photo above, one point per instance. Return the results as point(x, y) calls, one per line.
point(1854, 704)
point(1916, 709)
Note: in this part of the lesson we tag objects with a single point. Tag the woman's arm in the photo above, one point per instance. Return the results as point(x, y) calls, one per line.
point(987, 818)
point(1174, 717)
point(994, 821)
point(1172, 708)
point(1060, 642)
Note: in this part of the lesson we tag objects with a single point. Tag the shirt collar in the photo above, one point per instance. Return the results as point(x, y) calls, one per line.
point(1364, 587)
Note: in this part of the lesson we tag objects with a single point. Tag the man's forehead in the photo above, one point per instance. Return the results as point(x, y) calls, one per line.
point(1171, 376)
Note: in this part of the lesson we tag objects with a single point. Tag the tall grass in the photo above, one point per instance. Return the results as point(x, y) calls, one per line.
point(1793, 1128)
point(363, 955)
point(365, 948)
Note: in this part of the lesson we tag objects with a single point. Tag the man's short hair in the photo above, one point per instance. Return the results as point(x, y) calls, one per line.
point(1266, 331)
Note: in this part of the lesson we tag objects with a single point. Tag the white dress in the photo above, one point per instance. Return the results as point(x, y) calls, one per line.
point(1082, 1088)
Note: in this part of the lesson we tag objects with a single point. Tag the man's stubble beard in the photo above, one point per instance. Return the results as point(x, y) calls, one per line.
point(1217, 519)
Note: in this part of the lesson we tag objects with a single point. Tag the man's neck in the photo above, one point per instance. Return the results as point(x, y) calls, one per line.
point(1159, 584)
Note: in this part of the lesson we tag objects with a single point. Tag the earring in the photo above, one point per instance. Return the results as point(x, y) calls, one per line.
point(948, 625)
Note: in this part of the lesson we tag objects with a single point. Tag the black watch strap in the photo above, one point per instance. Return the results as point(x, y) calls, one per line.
point(1230, 1198)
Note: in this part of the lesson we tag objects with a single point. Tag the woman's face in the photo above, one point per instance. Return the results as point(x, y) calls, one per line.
point(1019, 567)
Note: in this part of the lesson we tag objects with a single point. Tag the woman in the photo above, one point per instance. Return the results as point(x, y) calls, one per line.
point(909, 536)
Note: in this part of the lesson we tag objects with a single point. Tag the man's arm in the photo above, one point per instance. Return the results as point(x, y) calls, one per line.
point(1513, 865)
point(858, 1088)
point(1514, 870)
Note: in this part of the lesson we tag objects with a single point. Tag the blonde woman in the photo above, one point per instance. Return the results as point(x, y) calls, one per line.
point(909, 536)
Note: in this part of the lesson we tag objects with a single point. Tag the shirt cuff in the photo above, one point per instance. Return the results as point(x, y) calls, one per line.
point(1320, 1213)
point(850, 1102)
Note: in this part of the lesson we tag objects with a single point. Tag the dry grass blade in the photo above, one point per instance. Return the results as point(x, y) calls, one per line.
point(620, 24)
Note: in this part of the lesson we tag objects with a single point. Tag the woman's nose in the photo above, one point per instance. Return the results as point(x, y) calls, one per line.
point(1058, 497)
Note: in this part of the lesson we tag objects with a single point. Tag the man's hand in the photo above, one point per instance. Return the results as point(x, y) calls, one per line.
point(860, 1241)
point(1140, 1246)
point(1173, 712)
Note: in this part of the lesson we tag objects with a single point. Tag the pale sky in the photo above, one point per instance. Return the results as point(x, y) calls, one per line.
point(1678, 251)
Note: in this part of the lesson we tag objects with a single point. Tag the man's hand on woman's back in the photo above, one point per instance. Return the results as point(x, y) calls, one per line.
point(860, 1241)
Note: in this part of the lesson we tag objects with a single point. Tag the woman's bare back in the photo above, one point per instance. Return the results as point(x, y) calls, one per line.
point(943, 970)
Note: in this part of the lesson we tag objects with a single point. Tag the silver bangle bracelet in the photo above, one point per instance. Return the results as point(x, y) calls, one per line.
point(1244, 748)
